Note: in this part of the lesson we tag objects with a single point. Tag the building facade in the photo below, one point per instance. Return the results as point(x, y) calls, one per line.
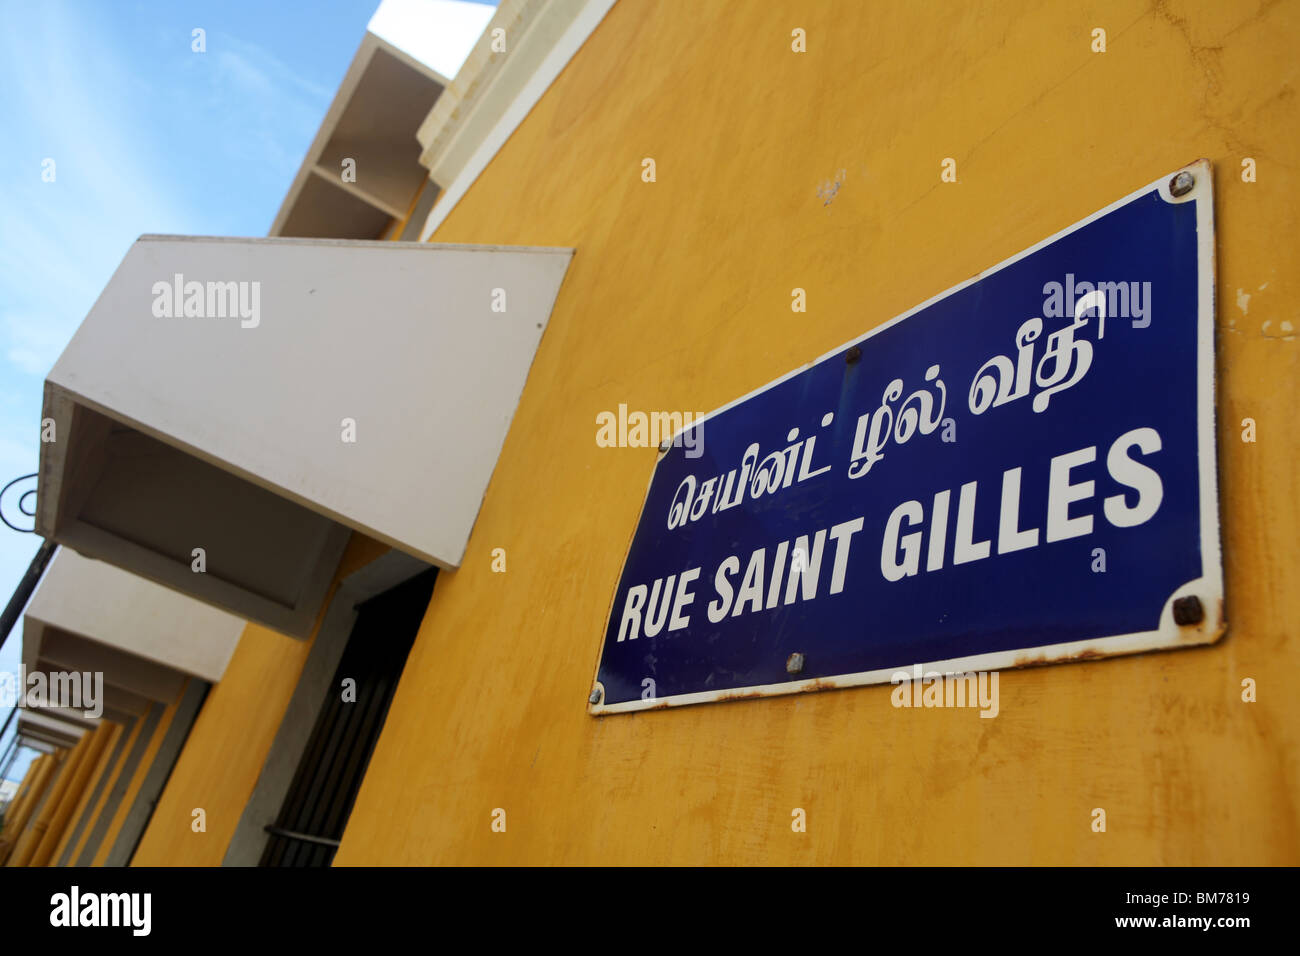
point(704, 165)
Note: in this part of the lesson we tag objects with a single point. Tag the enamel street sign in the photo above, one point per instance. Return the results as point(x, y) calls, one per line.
point(1019, 471)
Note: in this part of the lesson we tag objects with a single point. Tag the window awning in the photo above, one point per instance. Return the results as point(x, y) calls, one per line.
point(362, 171)
point(231, 409)
point(88, 616)
point(50, 729)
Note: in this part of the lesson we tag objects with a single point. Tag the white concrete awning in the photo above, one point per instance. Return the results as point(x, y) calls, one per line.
point(146, 639)
point(49, 728)
point(362, 171)
point(224, 441)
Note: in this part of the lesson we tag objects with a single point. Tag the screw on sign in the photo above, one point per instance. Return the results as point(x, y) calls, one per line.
point(1188, 610)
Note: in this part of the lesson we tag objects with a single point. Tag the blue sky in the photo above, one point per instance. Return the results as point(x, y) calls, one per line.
point(147, 136)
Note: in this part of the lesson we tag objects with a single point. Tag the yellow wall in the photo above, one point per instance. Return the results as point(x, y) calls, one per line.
point(142, 768)
point(227, 746)
point(41, 773)
point(102, 768)
point(39, 824)
point(678, 298)
point(113, 773)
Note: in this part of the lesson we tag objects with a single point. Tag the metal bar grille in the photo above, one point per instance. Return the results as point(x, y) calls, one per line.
point(325, 785)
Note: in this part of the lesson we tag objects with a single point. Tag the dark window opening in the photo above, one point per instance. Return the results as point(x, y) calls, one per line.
point(325, 785)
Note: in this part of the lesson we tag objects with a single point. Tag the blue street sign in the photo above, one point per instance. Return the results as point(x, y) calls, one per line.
point(1019, 471)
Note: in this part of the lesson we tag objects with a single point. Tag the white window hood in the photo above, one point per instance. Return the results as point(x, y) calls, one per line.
point(146, 639)
point(294, 391)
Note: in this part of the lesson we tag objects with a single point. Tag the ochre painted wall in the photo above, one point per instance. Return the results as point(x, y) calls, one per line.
point(113, 774)
point(102, 768)
point(152, 746)
point(227, 746)
point(41, 775)
point(679, 298)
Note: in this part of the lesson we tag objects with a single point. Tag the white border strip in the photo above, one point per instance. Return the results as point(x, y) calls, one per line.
point(583, 25)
